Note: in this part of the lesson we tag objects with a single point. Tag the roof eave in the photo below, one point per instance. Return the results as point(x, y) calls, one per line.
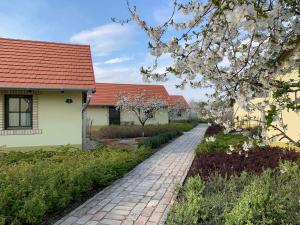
point(48, 89)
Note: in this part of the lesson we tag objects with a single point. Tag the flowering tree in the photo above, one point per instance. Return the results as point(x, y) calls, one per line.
point(234, 47)
point(142, 105)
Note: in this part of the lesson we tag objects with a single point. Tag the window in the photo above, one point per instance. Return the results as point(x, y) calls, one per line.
point(149, 114)
point(18, 111)
point(179, 113)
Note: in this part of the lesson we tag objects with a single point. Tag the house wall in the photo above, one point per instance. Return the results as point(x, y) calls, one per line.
point(161, 117)
point(184, 115)
point(98, 116)
point(57, 123)
point(290, 118)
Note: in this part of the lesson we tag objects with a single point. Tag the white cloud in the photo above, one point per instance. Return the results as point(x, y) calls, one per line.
point(117, 75)
point(106, 38)
point(163, 14)
point(118, 60)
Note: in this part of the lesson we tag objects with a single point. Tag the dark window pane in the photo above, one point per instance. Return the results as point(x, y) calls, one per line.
point(25, 104)
point(25, 120)
point(13, 119)
point(13, 104)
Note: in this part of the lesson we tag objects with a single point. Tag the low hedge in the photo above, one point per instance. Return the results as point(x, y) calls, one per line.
point(158, 140)
point(185, 126)
point(35, 184)
point(132, 131)
point(221, 142)
point(271, 198)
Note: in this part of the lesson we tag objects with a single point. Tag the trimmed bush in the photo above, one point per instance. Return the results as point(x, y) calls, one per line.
point(271, 198)
point(185, 126)
point(133, 131)
point(158, 140)
point(222, 142)
point(36, 183)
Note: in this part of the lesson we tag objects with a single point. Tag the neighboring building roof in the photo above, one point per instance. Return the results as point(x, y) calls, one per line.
point(179, 99)
point(45, 65)
point(107, 93)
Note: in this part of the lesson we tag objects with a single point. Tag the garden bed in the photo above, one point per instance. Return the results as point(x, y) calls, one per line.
point(257, 160)
point(259, 185)
point(36, 184)
point(136, 131)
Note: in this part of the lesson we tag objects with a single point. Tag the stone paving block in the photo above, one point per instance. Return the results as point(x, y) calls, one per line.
point(127, 222)
point(147, 211)
point(110, 222)
point(69, 221)
point(92, 223)
point(108, 207)
point(155, 217)
point(160, 208)
point(84, 219)
point(120, 212)
point(114, 216)
point(98, 216)
point(141, 220)
point(152, 203)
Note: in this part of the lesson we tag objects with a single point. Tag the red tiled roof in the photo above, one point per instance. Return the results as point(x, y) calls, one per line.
point(107, 93)
point(178, 99)
point(45, 65)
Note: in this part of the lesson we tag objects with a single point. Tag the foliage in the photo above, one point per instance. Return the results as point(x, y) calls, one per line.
point(158, 140)
point(235, 48)
point(132, 131)
point(34, 184)
point(271, 198)
point(226, 163)
point(222, 142)
point(213, 129)
point(185, 125)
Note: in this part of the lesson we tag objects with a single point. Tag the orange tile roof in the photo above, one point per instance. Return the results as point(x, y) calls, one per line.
point(107, 93)
point(174, 99)
point(45, 65)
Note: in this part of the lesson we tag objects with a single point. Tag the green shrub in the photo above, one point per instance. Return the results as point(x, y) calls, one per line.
point(271, 198)
point(132, 131)
point(222, 142)
point(35, 185)
point(158, 140)
point(184, 126)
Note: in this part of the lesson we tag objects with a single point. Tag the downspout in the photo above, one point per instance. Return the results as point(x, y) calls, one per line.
point(84, 118)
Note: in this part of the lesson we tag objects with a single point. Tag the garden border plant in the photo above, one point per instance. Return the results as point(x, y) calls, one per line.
point(233, 181)
point(36, 184)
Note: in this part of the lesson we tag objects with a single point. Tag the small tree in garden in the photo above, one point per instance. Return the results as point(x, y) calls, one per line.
point(142, 105)
point(233, 47)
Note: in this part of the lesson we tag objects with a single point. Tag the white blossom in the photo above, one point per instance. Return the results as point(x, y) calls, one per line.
point(210, 139)
point(231, 47)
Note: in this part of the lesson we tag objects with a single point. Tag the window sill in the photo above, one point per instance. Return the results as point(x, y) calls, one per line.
point(20, 132)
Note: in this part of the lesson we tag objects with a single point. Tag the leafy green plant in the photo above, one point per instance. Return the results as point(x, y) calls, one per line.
point(158, 140)
point(36, 183)
point(271, 198)
point(132, 131)
point(222, 142)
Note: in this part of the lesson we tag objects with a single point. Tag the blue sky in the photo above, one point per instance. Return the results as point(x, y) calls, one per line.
point(118, 51)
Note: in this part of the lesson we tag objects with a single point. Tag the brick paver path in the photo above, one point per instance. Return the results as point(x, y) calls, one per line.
point(145, 194)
